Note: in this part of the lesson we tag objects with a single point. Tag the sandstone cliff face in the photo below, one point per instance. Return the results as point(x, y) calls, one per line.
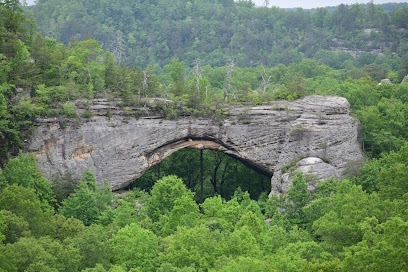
point(120, 149)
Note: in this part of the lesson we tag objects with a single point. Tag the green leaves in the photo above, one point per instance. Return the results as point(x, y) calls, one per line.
point(23, 171)
point(384, 125)
point(134, 247)
point(164, 195)
point(81, 205)
point(298, 196)
point(88, 200)
point(184, 213)
point(43, 254)
point(24, 203)
point(383, 248)
point(197, 247)
point(176, 72)
point(93, 246)
point(340, 226)
point(386, 174)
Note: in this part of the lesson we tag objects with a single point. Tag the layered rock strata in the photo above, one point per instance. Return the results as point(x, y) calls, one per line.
point(120, 148)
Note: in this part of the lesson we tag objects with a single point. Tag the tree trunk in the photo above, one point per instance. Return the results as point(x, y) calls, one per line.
point(201, 177)
point(223, 179)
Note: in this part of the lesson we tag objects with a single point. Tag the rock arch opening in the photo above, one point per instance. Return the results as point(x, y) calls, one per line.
point(159, 154)
point(222, 173)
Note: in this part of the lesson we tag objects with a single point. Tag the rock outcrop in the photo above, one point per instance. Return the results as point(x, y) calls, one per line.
point(120, 148)
point(314, 169)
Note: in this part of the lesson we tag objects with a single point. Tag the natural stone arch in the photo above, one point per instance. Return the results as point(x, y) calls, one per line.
point(159, 154)
point(120, 148)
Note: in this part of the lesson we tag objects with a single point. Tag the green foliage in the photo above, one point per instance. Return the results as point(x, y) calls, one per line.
point(164, 194)
point(381, 246)
point(196, 247)
point(370, 172)
point(2, 226)
point(166, 267)
point(354, 225)
point(228, 236)
point(392, 182)
point(340, 225)
point(187, 31)
point(23, 171)
point(43, 254)
point(242, 264)
point(63, 186)
point(114, 268)
point(225, 214)
point(125, 214)
point(241, 242)
point(24, 203)
point(81, 205)
point(67, 227)
point(296, 255)
point(13, 227)
point(294, 163)
point(384, 124)
point(298, 196)
point(87, 201)
point(273, 239)
point(176, 72)
point(323, 266)
point(93, 246)
point(254, 224)
point(184, 213)
point(134, 246)
point(69, 109)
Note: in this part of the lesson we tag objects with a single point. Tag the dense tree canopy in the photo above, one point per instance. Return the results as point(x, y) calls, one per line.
point(213, 31)
point(242, 55)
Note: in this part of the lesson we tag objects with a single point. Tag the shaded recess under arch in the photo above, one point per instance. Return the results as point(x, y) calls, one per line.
point(159, 154)
point(206, 171)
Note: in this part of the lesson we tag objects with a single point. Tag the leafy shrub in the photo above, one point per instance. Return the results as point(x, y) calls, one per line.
point(86, 114)
point(292, 165)
point(69, 109)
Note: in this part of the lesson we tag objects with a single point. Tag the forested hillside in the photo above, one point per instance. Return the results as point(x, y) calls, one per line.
point(203, 57)
point(155, 32)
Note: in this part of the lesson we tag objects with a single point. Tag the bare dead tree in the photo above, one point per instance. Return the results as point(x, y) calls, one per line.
point(118, 50)
point(228, 78)
point(166, 87)
point(201, 177)
point(266, 80)
point(134, 79)
point(266, 3)
point(145, 83)
point(197, 72)
point(275, 88)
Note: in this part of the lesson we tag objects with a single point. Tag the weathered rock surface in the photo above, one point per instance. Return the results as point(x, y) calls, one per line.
point(315, 168)
point(120, 149)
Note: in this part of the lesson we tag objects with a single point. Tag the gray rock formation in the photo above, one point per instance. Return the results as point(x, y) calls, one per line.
point(120, 148)
point(314, 169)
point(385, 81)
